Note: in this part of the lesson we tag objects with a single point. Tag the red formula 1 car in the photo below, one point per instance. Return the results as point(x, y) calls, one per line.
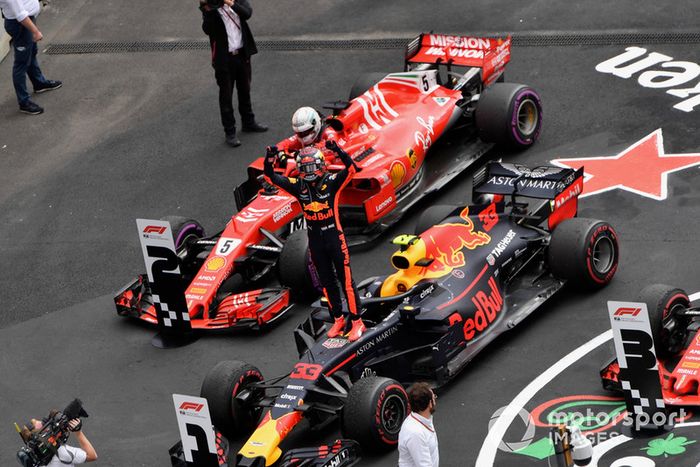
point(675, 327)
point(469, 274)
point(410, 132)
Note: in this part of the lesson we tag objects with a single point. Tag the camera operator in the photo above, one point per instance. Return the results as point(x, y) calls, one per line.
point(232, 45)
point(68, 455)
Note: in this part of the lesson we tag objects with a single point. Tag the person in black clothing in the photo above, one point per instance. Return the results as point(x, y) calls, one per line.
point(317, 192)
point(232, 45)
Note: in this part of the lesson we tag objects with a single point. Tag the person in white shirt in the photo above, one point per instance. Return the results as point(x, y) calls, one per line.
point(68, 456)
point(20, 24)
point(232, 46)
point(418, 443)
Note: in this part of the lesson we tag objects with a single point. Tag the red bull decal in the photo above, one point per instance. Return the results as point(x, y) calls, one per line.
point(488, 305)
point(315, 206)
point(444, 244)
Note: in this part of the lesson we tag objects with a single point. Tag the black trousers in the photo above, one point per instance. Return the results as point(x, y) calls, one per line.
point(234, 72)
point(329, 252)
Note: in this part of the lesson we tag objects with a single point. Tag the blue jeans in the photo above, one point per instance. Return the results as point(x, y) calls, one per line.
point(25, 50)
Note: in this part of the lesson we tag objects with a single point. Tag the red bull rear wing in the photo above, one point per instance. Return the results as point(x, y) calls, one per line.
point(543, 182)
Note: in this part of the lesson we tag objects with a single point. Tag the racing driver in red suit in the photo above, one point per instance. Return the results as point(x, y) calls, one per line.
point(317, 192)
point(309, 130)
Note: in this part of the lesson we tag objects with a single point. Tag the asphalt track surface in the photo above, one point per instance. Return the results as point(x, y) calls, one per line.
point(138, 135)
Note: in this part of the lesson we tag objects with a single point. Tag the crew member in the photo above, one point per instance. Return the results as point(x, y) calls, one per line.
point(317, 192)
point(418, 443)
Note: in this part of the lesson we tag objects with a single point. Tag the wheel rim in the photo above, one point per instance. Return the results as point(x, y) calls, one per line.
point(603, 255)
point(528, 116)
point(393, 411)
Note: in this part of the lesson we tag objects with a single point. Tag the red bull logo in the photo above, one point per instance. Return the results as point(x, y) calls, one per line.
point(444, 244)
point(315, 206)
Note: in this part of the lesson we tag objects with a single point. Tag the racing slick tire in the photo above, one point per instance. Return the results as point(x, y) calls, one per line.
point(509, 114)
point(293, 264)
point(184, 230)
point(668, 330)
point(221, 386)
point(374, 411)
point(432, 215)
point(364, 82)
point(584, 252)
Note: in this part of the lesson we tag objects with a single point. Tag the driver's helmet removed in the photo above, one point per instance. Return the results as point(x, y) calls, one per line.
point(311, 163)
point(306, 123)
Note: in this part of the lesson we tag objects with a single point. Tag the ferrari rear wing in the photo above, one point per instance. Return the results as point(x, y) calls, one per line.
point(543, 182)
point(491, 54)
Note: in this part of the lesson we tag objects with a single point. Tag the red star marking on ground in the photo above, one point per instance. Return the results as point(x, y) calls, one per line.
point(642, 168)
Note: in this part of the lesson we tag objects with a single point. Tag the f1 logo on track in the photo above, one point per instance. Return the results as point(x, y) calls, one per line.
point(627, 311)
point(154, 229)
point(191, 406)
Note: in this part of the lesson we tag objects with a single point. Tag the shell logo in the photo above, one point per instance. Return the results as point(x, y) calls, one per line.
point(215, 264)
point(397, 173)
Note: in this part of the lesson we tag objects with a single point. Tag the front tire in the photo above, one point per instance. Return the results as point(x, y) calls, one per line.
point(293, 263)
point(374, 411)
point(184, 230)
point(509, 114)
point(584, 252)
point(221, 386)
point(668, 330)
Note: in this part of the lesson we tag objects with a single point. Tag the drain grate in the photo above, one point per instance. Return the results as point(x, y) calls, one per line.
point(519, 40)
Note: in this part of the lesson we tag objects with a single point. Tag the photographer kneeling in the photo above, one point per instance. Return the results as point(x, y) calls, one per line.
point(45, 440)
point(68, 455)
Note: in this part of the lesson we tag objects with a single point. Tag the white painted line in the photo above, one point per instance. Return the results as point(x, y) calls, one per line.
point(489, 449)
point(601, 449)
point(487, 454)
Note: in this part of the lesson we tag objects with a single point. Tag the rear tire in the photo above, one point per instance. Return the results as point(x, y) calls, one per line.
point(584, 252)
point(374, 411)
point(364, 82)
point(293, 264)
point(432, 216)
point(509, 114)
point(668, 330)
point(220, 387)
